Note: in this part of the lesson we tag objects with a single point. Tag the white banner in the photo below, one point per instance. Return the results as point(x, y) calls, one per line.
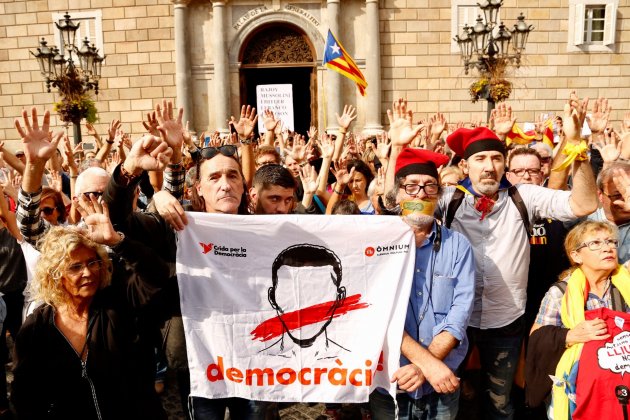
point(277, 98)
point(293, 308)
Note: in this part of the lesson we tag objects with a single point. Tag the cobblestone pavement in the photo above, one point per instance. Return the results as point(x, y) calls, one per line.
point(171, 403)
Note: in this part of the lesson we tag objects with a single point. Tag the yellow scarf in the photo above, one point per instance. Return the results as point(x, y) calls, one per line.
point(572, 313)
point(572, 152)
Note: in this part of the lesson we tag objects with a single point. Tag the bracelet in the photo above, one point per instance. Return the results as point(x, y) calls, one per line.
point(303, 164)
point(340, 193)
point(126, 176)
point(175, 165)
point(573, 152)
point(245, 141)
point(109, 141)
point(342, 130)
point(74, 176)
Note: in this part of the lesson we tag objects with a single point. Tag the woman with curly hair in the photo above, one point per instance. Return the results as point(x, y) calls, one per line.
point(83, 353)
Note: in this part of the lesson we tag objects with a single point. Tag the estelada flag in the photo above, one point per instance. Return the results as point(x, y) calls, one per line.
point(337, 58)
point(518, 136)
point(294, 308)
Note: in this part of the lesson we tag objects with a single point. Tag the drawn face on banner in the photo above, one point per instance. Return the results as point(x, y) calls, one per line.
point(305, 314)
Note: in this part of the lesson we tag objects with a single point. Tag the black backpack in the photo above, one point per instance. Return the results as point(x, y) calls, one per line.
point(458, 197)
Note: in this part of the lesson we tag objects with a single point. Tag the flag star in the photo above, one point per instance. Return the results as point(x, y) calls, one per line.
point(335, 48)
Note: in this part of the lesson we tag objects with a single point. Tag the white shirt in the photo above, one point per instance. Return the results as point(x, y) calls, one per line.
point(501, 248)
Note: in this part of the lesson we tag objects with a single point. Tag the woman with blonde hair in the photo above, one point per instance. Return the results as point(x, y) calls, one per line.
point(84, 353)
point(567, 319)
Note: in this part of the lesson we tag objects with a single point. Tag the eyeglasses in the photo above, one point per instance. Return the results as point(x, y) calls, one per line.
point(544, 160)
point(96, 194)
point(614, 197)
point(226, 150)
point(265, 163)
point(48, 211)
point(597, 244)
point(414, 189)
point(77, 269)
point(531, 172)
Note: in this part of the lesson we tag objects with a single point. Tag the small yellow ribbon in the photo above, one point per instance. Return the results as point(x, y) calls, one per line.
point(573, 152)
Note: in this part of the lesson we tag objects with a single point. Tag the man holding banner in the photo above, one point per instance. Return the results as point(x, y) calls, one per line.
point(434, 342)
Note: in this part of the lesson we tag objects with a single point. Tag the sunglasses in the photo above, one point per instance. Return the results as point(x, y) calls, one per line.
point(97, 194)
point(48, 211)
point(226, 150)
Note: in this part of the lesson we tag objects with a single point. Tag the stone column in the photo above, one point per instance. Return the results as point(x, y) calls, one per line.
point(373, 68)
point(332, 79)
point(221, 94)
point(182, 60)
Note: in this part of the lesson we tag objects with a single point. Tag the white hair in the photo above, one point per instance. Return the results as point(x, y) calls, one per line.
point(81, 185)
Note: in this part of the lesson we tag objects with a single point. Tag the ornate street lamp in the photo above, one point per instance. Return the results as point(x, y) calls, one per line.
point(494, 48)
point(59, 70)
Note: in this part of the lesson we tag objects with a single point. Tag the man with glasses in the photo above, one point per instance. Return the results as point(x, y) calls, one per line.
point(612, 207)
point(488, 216)
point(434, 341)
point(267, 155)
point(546, 157)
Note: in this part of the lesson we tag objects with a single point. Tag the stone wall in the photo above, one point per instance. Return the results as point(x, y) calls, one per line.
point(417, 61)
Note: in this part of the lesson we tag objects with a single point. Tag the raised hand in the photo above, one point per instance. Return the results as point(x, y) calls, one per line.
point(148, 154)
point(170, 127)
point(573, 119)
point(114, 126)
point(598, 121)
point(246, 123)
point(327, 146)
point(312, 132)
point(625, 127)
point(95, 214)
point(503, 119)
point(349, 114)
point(54, 181)
point(269, 120)
point(401, 131)
point(382, 146)
point(308, 176)
point(298, 153)
point(151, 124)
point(609, 146)
point(91, 130)
point(621, 179)
point(341, 173)
point(37, 143)
point(215, 140)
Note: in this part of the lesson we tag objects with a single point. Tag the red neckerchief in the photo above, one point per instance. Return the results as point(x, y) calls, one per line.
point(484, 204)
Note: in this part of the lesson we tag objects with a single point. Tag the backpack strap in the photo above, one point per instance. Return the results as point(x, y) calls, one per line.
point(617, 301)
point(520, 205)
point(453, 205)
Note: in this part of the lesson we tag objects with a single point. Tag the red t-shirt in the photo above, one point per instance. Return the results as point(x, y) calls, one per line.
point(605, 366)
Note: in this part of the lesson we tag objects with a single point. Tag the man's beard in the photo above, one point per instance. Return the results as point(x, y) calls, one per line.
point(419, 221)
point(488, 189)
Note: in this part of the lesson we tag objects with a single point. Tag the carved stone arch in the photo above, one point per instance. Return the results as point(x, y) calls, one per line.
point(276, 44)
point(277, 17)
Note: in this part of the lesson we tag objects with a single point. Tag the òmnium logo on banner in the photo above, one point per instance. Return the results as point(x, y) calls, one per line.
point(386, 249)
point(223, 251)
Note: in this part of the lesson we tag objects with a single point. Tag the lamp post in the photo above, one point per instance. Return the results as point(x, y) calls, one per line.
point(486, 46)
point(60, 70)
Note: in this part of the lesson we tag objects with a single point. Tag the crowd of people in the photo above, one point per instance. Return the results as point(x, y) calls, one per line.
point(518, 243)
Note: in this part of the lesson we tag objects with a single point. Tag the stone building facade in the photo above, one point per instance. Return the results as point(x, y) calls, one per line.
point(210, 55)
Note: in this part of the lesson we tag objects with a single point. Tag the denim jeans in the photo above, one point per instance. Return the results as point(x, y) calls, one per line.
point(430, 407)
point(499, 350)
point(240, 409)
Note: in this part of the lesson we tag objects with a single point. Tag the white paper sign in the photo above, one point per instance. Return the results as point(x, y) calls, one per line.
point(277, 98)
point(294, 308)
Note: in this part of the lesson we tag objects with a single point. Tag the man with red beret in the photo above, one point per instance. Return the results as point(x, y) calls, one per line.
point(434, 342)
point(489, 217)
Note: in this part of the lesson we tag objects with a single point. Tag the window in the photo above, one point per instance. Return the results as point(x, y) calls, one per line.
point(592, 25)
point(463, 12)
point(90, 27)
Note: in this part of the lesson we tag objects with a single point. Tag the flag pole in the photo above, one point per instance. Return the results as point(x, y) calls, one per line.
point(324, 99)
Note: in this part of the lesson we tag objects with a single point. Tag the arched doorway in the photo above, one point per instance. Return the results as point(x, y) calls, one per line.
point(281, 53)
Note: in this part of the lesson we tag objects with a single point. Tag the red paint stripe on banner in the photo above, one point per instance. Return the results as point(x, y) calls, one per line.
point(273, 327)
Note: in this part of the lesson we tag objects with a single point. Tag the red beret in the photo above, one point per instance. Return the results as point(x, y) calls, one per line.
point(465, 142)
point(419, 161)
